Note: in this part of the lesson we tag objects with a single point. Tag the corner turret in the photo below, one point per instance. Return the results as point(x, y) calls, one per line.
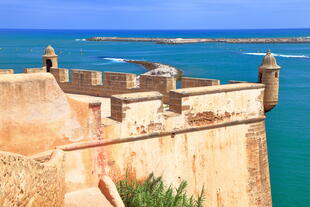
point(50, 59)
point(268, 74)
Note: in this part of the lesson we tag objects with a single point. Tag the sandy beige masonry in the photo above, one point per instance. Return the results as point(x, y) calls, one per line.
point(219, 143)
point(188, 82)
point(6, 71)
point(36, 113)
point(26, 182)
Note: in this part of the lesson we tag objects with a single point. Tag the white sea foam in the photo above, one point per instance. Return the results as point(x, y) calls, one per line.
point(101, 63)
point(279, 55)
point(80, 40)
point(118, 60)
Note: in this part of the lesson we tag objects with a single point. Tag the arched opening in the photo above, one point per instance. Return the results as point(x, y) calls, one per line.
point(260, 76)
point(276, 75)
point(49, 64)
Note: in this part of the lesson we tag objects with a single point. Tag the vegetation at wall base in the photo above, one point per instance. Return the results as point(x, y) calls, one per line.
point(153, 193)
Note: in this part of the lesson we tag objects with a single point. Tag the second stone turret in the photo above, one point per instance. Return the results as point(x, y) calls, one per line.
point(50, 59)
point(268, 74)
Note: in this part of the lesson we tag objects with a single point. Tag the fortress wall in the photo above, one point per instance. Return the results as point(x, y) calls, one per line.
point(36, 113)
point(119, 80)
point(221, 160)
point(81, 171)
point(6, 71)
point(158, 83)
point(187, 82)
point(211, 136)
point(190, 107)
point(216, 140)
point(86, 77)
point(139, 113)
point(88, 82)
point(218, 102)
point(26, 182)
point(61, 74)
point(34, 70)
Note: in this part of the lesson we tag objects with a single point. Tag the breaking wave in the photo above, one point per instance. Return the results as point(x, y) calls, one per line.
point(118, 60)
point(279, 55)
point(80, 40)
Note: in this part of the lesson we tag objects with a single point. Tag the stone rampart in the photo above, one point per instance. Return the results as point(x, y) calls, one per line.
point(34, 70)
point(187, 82)
point(192, 107)
point(88, 82)
point(26, 182)
point(158, 83)
point(119, 80)
point(86, 77)
point(6, 71)
point(211, 136)
point(36, 113)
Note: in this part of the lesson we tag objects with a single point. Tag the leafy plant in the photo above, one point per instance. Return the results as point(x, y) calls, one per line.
point(153, 193)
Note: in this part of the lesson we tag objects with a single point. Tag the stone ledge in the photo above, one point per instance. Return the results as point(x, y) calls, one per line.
point(216, 89)
point(138, 97)
point(98, 143)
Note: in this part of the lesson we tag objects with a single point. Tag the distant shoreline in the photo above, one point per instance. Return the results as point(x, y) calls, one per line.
point(202, 40)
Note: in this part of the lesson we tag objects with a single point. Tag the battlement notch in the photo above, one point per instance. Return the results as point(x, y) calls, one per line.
point(6, 71)
point(187, 82)
point(119, 80)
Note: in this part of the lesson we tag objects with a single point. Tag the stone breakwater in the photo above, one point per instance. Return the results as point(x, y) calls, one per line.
point(158, 69)
point(202, 40)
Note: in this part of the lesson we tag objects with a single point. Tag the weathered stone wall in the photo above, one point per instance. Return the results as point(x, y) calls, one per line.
point(119, 80)
point(86, 77)
point(215, 138)
point(187, 82)
point(61, 75)
point(34, 70)
point(34, 112)
point(210, 136)
point(158, 83)
point(6, 71)
point(26, 182)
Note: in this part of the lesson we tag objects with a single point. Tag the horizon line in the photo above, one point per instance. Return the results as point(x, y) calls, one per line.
point(148, 29)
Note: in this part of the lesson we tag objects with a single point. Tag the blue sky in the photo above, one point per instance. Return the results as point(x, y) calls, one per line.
point(154, 14)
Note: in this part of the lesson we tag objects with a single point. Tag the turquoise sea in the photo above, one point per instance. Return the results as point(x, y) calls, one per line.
point(288, 125)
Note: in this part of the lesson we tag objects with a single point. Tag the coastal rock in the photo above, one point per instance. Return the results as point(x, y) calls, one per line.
point(203, 40)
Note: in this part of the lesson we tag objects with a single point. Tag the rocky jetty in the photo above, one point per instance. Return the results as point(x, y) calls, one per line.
point(202, 40)
point(158, 69)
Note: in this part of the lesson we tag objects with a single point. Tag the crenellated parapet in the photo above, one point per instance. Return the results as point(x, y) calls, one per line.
point(188, 108)
point(90, 82)
point(86, 77)
point(158, 83)
point(120, 80)
point(35, 70)
point(188, 82)
point(6, 71)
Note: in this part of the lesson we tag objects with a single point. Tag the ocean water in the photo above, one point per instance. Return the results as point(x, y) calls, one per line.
point(288, 125)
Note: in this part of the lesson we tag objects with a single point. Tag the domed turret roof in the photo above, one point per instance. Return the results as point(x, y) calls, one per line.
point(49, 51)
point(269, 62)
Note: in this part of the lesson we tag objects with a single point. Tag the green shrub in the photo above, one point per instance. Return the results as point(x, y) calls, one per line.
point(153, 193)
